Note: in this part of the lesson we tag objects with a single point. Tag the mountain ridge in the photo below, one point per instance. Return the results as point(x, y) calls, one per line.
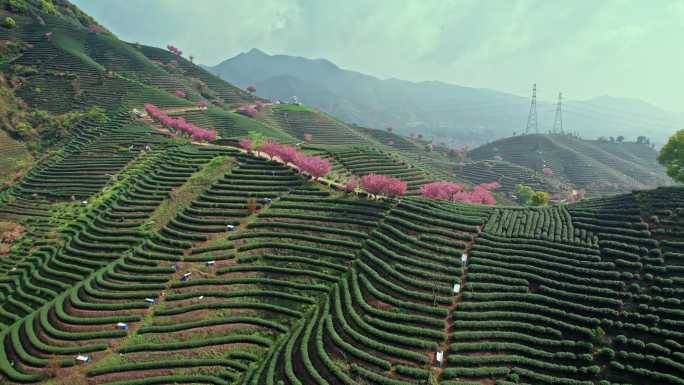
point(438, 109)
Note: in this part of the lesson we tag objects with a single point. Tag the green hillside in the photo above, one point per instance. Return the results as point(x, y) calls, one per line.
point(599, 167)
point(149, 257)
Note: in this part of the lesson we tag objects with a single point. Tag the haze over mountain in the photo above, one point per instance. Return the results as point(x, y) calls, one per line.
point(438, 110)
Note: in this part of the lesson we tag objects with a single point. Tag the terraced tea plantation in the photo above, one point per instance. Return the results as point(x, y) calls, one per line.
point(133, 251)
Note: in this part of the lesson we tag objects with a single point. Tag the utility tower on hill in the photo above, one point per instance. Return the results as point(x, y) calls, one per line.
point(532, 117)
point(558, 120)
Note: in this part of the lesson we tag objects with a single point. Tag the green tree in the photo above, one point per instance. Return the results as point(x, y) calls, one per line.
point(47, 7)
point(672, 156)
point(96, 115)
point(524, 193)
point(597, 335)
point(9, 22)
point(539, 198)
point(257, 138)
point(17, 6)
point(620, 138)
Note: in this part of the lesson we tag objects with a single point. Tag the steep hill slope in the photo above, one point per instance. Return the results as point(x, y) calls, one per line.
point(150, 259)
point(599, 167)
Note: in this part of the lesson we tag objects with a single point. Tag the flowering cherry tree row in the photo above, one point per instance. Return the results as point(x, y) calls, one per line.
point(251, 110)
point(179, 124)
point(317, 167)
point(312, 165)
point(444, 190)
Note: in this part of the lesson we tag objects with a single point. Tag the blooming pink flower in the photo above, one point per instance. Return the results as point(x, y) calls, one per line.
point(440, 190)
point(548, 172)
point(179, 124)
point(308, 137)
point(246, 144)
point(286, 153)
point(456, 192)
point(248, 111)
point(382, 184)
point(181, 94)
point(352, 184)
point(313, 165)
point(269, 148)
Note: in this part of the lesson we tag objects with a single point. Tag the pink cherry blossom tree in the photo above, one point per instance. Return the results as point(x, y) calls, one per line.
point(179, 124)
point(375, 184)
point(548, 172)
point(441, 190)
point(181, 94)
point(456, 192)
point(313, 165)
point(286, 153)
point(351, 185)
point(396, 187)
point(498, 157)
point(269, 148)
point(246, 144)
point(248, 110)
point(308, 137)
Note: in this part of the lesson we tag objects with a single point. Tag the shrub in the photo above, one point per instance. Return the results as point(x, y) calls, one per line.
point(8, 22)
point(47, 7)
point(17, 6)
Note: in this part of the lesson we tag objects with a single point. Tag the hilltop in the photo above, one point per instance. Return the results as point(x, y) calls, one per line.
point(599, 166)
point(445, 112)
point(133, 252)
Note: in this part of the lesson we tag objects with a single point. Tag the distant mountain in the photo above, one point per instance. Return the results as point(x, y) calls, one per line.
point(446, 112)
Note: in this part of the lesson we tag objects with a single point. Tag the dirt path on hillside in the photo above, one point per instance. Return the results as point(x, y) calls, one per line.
point(449, 325)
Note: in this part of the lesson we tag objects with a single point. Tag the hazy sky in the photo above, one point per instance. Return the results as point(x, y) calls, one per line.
point(585, 48)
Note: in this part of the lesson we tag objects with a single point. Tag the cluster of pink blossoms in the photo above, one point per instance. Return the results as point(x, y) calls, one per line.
point(376, 184)
point(179, 124)
point(251, 110)
point(481, 194)
point(312, 165)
